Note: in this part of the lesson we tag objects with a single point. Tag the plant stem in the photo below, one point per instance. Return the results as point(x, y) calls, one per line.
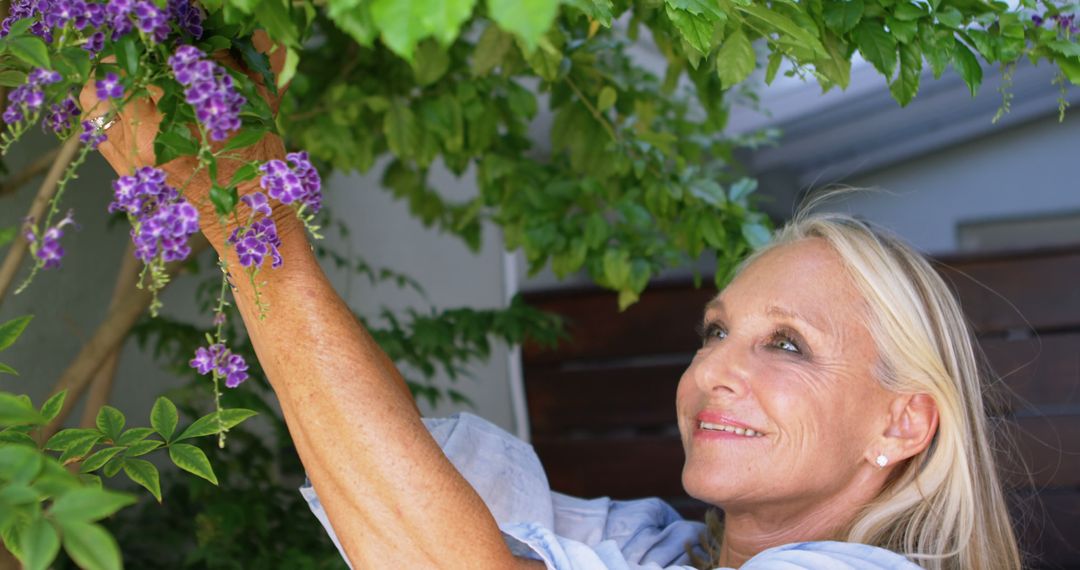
point(45, 193)
point(101, 385)
point(108, 336)
point(12, 184)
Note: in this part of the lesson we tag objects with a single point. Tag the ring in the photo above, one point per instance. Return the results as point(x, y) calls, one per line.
point(100, 123)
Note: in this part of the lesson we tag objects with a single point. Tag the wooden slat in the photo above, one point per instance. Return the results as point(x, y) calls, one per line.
point(1040, 374)
point(662, 322)
point(1039, 289)
point(601, 399)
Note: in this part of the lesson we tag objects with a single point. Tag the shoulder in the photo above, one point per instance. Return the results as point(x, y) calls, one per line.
point(829, 555)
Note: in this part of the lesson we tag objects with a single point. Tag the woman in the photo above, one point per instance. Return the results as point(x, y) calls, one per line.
point(835, 398)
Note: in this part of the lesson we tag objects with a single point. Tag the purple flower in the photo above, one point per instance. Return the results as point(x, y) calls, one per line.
point(62, 115)
point(219, 360)
point(95, 43)
point(162, 220)
point(254, 243)
point(49, 251)
point(110, 87)
point(151, 20)
point(209, 89)
point(293, 181)
point(117, 17)
point(28, 97)
point(187, 16)
point(1037, 20)
point(91, 135)
point(257, 202)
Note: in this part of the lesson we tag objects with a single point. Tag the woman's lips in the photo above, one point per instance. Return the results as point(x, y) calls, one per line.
point(714, 425)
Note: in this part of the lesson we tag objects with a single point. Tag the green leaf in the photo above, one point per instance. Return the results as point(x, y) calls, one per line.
point(193, 460)
point(39, 545)
point(606, 99)
point(51, 408)
point(5, 369)
point(735, 60)
point(775, 59)
point(1067, 49)
point(430, 63)
point(31, 50)
point(173, 142)
point(73, 64)
point(708, 8)
point(145, 474)
point(163, 416)
point(967, 65)
point(11, 330)
point(799, 35)
point(246, 172)
point(20, 464)
point(401, 130)
point(950, 17)
point(246, 137)
point(65, 438)
point(695, 29)
point(909, 11)
point(9, 436)
point(90, 545)
point(11, 78)
point(490, 50)
point(1070, 67)
point(276, 18)
point(841, 16)
point(404, 23)
point(224, 199)
point(599, 10)
point(99, 458)
point(906, 84)
point(134, 435)
point(80, 448)
point(89, 504)
point(16, 494)
point(143, 447)
point(616, 268)
point(15, 411)
point(288, 69)
point(937, 48)
point(354, 17)
point(547, 62)
point(215, 422)
point(126, 50)
point(904, 31)
point(529, 19)
point(110, 421)
point(877, 46)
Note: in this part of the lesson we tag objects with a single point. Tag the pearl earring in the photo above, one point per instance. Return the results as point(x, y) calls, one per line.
point(881, 460)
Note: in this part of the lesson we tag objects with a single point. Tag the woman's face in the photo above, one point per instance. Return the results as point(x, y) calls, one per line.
point(787, 354)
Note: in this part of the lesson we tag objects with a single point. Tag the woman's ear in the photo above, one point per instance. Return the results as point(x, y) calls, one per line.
point(913, 422)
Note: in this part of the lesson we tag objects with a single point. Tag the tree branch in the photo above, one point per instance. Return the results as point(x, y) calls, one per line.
point(13, 183)
point(101, 385)
point(15, 255)
point(108, 337)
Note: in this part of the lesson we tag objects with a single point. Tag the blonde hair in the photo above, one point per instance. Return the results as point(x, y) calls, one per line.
point(945, 508)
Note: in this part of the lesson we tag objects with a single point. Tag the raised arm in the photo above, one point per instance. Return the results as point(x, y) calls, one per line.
point(394, 499)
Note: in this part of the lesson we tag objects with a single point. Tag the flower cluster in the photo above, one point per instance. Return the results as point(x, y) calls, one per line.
point(219, 360)
point(28, 97)
point(255, 242)
point(110, 87)
point(209, 89)
point(187, 16)
point(91, 135)
point(162, 221)
point(1067, 23)
point(293, 180)
point(62, 115)
point(49, 251)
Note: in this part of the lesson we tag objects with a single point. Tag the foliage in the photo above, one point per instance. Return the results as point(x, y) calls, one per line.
point(47, 501)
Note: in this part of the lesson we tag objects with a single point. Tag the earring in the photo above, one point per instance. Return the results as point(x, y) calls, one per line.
point(881, 460)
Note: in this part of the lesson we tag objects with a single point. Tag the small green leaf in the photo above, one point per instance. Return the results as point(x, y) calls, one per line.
point(90, 545)
point(288, 69)
point(245, 138)
point(224, 200)
point(735, 60)
point(401, 130)
point(11, 78)
point(126, 50)
point(490, 50)
point(89, 504)
point(529, 19)
point(841, 16)
point(877, 46)
point(775, 59)
point(110, 421)
point(65, 438)
point(20, 464)
point(99, 458)
point(246, 172)
point(51, 408)
point(80, 448)
point(906, 84)
point(1068, 49)
point(143, 447)
point(696, 29)
point(5, 369)
point(173, 142)
point(10, 330)
point(15, 411)
point(193, 460)
point(134, 435)
point(209, 424)
point(430, 63)
point(15, 494)
point(31, 50)
point(616, 268)
point(607, 98)
point(967, 65)
point(39, 545)
point(145, 474)
point(163, 416)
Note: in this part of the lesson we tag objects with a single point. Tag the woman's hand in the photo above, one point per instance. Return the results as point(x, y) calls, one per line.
point(130, 138)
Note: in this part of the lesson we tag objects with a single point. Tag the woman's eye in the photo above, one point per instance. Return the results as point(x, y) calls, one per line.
point(787, 345)
point(711, 331)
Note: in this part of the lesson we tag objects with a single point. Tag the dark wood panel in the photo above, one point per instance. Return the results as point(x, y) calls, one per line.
point(1050, 449)
point(662, 322)
point(602, 399)
point(1006, 292)
point(1038, 373)
point(1048, 527)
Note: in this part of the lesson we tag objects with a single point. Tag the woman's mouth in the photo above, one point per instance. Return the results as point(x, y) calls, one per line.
point(724, 428)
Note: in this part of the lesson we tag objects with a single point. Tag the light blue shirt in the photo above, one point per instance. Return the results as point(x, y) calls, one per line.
point(568, 533)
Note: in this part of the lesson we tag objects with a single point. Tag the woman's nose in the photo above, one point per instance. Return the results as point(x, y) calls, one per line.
point(722, 369)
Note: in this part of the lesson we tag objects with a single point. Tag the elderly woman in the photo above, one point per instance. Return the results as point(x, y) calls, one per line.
point(833, 413)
